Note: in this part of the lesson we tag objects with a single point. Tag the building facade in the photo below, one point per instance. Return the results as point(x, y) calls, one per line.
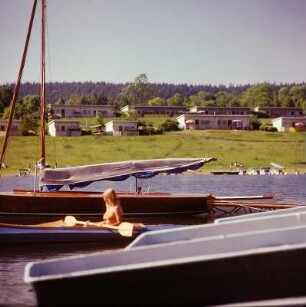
point(121, 127)
point(221, 110)
point(155, 110)
point(58, 127)
point(200, 121)
point(75, 111)
point(286, 124)
point(275, 112)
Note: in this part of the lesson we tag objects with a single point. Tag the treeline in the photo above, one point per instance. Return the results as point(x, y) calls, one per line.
point(64, 90)
point(142, 92)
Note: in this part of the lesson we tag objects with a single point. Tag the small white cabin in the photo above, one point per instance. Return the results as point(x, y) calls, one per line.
point(202, 121)
point(285, 124)
point(121, 127)
point(64, 128)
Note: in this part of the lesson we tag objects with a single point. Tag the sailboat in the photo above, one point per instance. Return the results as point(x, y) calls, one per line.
point(48, 201)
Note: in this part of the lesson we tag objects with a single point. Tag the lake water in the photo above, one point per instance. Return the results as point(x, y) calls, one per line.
point(13, 291)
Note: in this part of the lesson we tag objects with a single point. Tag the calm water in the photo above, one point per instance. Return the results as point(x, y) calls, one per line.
point(13, 292)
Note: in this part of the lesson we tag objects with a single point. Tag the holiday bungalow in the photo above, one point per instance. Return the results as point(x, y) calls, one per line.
point(155, 110)
point(285, 124)
point(58, 127)
point(275, 112)
point(200, 121)
point(68, 111)
point(221, 110)
point(121, 127)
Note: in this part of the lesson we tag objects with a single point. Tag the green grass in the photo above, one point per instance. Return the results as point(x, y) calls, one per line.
point(253, 149)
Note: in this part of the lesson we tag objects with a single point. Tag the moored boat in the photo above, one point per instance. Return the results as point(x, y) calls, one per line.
point(246, 223)
point(223, 269)
point(59, 232)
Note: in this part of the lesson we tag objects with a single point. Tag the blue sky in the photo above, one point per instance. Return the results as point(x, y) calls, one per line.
point(173, 41)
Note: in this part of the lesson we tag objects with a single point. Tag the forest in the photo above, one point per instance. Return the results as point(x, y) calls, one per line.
point(142, 92)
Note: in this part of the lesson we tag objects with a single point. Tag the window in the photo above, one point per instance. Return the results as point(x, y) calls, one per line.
point(63, 128)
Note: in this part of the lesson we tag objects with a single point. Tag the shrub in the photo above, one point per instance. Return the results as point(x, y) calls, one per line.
point(169, 125)
point(268, 128)
point(255, 123)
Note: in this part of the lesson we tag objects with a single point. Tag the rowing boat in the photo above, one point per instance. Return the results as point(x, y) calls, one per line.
point(59, 232)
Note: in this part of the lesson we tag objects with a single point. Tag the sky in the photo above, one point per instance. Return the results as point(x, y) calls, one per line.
point(228, 42)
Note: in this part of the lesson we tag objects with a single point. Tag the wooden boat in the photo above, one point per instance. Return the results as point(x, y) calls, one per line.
point(61, 232)
point(245, 223)
point(223, 269)
point(90, 205)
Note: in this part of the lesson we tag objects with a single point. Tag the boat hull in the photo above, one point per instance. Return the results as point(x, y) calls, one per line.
point(90, 204)
point(208, 271)
point(13, 235)
point(223, 281)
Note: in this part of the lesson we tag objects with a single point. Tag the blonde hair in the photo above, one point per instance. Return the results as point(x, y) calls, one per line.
point(111, 195)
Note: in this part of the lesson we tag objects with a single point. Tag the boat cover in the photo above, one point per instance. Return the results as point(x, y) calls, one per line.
point(81, 176)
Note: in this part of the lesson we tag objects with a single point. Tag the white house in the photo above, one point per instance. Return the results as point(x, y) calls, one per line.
point(285, 124)
point(66, 111)
point(14, 127)
point(121, 127)
point(202, 121)
point(61, 127)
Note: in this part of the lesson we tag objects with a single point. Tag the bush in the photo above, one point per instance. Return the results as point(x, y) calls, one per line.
point(86, 132)
point(268, 128)
point(255, 123)
point(169, 125)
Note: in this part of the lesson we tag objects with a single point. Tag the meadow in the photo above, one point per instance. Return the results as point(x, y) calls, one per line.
point(251, 148)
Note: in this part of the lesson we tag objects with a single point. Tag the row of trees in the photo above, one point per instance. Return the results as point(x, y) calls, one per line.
point(141, 92)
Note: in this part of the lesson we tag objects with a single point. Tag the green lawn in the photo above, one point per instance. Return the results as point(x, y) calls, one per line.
point(252, 148)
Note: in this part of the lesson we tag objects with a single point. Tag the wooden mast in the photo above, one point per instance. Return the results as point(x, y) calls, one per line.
point(42, 87)
point(17, 86)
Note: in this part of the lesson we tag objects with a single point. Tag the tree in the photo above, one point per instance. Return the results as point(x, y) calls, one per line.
point(6, 95)
point(99, 120)
point(139, 92)
point(29, 122)
point(157, 101)
point(262, 95)
point(284, 98)
point(60, 101)
point(74, 100)
point(298, 96)
point(224, 99)
point(98, 99)
point(200, 98)
point(176, 100)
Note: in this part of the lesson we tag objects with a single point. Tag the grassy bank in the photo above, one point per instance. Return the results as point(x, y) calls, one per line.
point(253, 149)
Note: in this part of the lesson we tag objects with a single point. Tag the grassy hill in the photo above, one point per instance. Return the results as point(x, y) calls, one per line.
point(252, 148)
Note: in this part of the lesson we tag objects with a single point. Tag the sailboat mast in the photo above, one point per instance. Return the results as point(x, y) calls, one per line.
point(43, 87)
point(17, 86)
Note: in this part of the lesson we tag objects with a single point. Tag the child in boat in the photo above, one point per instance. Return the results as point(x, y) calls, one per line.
point(113, 213)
